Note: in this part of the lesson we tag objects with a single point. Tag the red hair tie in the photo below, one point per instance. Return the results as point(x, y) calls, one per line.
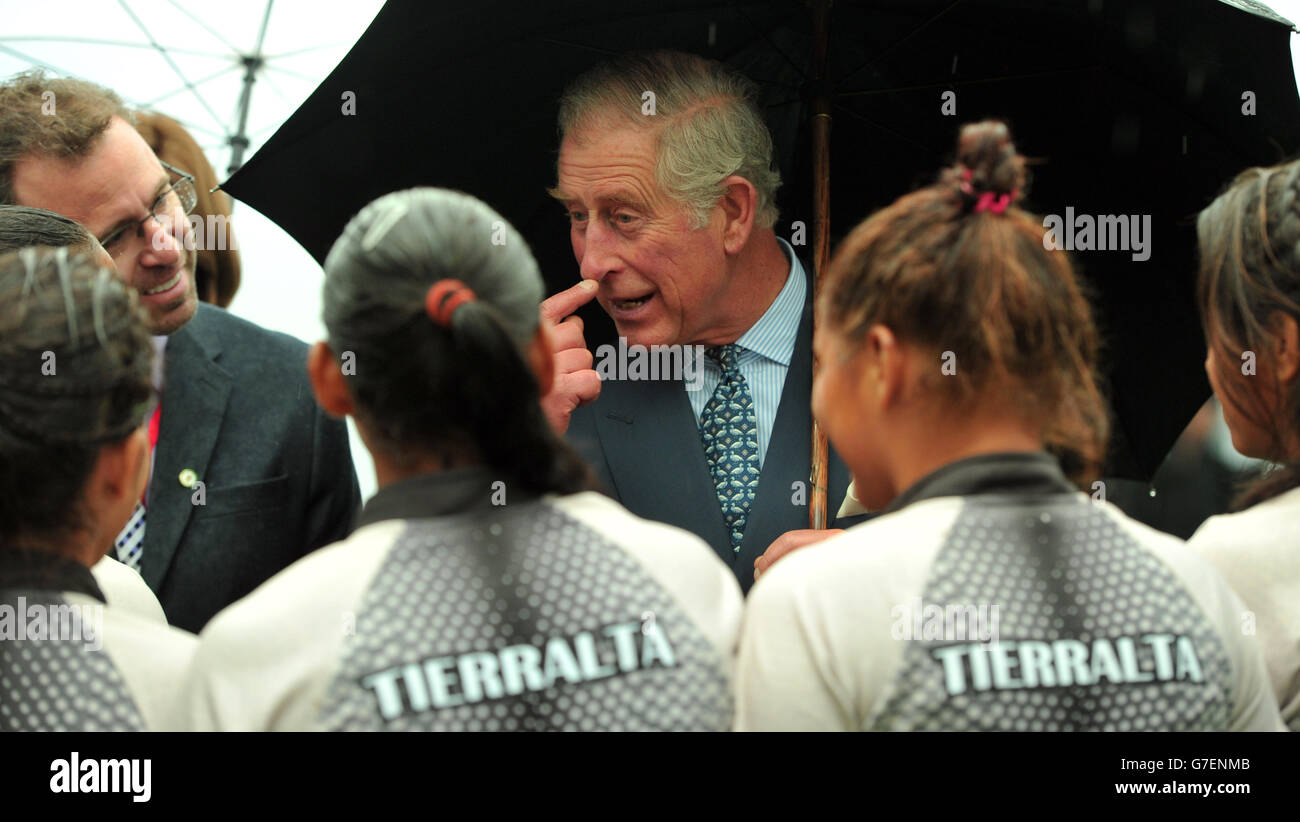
point(996, 203)
point(444, 297)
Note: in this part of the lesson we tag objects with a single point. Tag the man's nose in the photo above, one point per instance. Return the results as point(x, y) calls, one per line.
point(597, 253)
point(162, 241)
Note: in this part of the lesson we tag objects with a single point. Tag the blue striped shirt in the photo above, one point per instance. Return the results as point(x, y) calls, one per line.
point(765, 356)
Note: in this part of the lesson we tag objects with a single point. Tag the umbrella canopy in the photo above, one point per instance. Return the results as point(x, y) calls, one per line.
point(230, 74)
point(1140, 109)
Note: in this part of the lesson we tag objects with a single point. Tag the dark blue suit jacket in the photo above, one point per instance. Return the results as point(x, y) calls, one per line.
point(643, 441)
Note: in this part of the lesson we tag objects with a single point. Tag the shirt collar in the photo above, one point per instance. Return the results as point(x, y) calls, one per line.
point(159, 348)
point(1019, 472)
point(26, 569)
point(773, 336)
point(435, 495)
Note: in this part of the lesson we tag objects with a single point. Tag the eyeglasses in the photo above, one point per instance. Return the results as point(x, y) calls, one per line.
point(162, 211)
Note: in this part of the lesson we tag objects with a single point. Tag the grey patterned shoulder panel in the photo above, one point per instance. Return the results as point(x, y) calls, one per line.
point(521, 619)
point(1092, 631)
point(54, 672)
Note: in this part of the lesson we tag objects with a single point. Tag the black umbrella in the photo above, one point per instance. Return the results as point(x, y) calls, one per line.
point(1134, 108)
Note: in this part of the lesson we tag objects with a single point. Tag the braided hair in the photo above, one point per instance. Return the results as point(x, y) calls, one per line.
point(1249, 247)
point(958, 266)
point(447, 380)
point(75, 364)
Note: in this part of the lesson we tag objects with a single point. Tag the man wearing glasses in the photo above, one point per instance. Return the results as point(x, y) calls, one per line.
point(248, 474)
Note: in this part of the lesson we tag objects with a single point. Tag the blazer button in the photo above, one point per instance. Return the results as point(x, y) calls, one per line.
point(188, 477)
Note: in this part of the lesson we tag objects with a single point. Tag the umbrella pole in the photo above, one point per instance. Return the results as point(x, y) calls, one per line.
point(253, 63)
point(821, 151)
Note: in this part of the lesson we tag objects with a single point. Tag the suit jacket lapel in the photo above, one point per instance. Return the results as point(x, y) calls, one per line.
point(195, 392)
point(652, 445)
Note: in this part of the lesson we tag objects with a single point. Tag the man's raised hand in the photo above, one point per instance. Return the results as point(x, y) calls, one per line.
point(576, 382)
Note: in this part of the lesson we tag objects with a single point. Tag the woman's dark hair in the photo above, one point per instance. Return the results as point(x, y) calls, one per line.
point(456, 390)
point(957, 266)
point(75, 364)
point(21, 227)
point(1249, 245)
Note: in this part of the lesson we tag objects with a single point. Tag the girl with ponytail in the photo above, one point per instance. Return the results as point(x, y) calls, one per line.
point(956, 379)
point(486, 587)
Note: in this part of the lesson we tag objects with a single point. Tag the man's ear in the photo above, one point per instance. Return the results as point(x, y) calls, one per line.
point(542, 360)
point(1286, 346)
point(739, 205)
point(327, 381)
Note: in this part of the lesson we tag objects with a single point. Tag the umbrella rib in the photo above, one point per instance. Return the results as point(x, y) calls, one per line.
point(905, 138)
point(792, 101)
point(1229, 136)
point(261, 34)
point(27, 58)
point(198, 128)
point(171, 63)
point(765, 35)
point(264, 130)
point(101, 41)
point(207, 79)
point(266, 78)
point(962, 83)
point(767, 38)
point(297, 74)
point(40, 63)
point(954, 4)
point(204, 25)
point(306, 49)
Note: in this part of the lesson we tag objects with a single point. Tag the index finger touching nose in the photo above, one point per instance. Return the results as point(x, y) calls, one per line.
point(559, 306)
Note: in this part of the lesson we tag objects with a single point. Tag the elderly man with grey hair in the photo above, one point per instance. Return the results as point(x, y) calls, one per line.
point(665, 169)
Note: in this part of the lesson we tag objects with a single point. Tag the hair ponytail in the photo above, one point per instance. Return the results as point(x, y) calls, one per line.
point(508, 424)
point(957, 266)
point(438, 316)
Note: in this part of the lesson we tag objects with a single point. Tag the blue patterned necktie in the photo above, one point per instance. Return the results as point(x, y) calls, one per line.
point(729, 431)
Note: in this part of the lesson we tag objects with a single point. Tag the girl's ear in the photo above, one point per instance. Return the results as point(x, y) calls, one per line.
point(117, 481)
point(1286, 346)
point(887, 357)
point(121, 468)
point(327, 381)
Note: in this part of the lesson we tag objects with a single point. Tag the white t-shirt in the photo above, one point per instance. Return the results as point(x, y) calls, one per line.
point(1100, 622)
point(1258, 552)
point(558, 613)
